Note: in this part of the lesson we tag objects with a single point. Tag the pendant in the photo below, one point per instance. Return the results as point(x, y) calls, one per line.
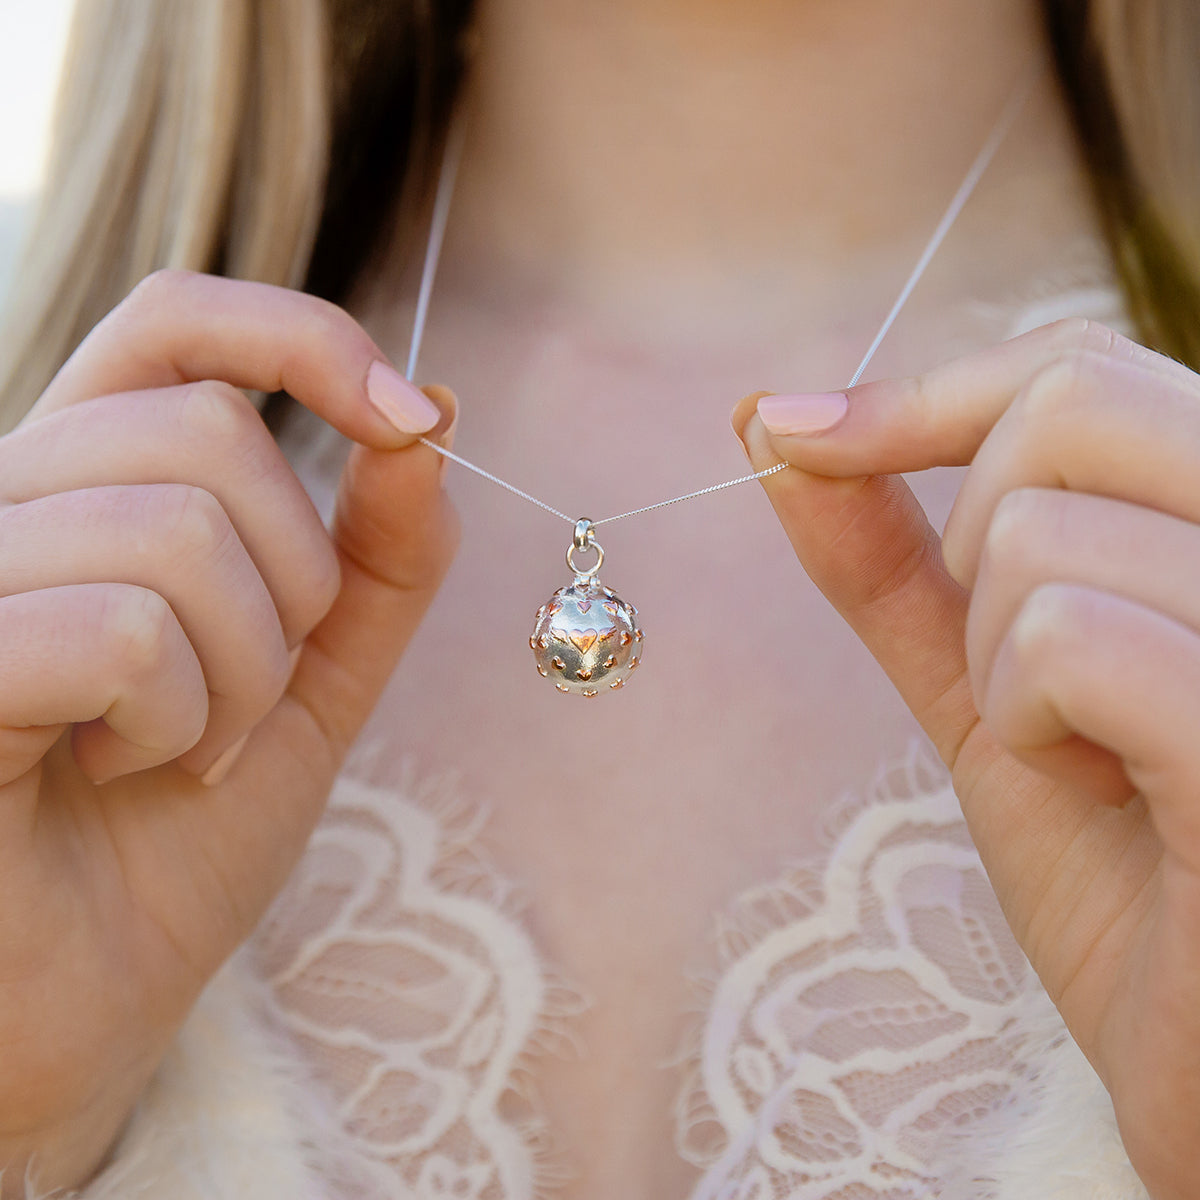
point(585, 637)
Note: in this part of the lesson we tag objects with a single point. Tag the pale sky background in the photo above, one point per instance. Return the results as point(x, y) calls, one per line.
point(32, 38)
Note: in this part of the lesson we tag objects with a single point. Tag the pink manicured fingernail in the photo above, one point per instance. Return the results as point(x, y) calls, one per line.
point(224, 764)
point(803, 414)
point(400, 402)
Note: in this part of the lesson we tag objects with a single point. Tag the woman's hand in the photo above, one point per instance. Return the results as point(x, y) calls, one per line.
point(185, 657)
point(1050, 646)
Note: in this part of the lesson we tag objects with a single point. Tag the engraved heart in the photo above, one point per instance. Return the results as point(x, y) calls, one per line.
point(583, 639)
point(583, 605)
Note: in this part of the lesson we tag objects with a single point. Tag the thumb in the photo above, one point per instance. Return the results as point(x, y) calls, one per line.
point(867, 544)
point(395, 533)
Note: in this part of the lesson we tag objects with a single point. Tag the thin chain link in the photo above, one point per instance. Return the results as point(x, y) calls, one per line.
point(441, 210)
point(716, 487)
point(516, 491)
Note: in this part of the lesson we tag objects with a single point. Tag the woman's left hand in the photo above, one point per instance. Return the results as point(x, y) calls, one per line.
point(1050, 646)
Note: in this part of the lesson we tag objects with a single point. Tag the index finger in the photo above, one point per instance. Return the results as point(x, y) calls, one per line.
point(182, 327)
point(941, 418)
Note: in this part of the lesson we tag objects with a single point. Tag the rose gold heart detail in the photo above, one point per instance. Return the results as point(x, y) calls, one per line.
point(583, 640)
point(583, 605)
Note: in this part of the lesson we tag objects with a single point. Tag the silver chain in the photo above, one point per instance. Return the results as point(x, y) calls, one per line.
point(441, 210)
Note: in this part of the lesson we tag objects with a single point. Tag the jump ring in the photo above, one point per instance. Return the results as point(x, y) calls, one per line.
point(591, 572)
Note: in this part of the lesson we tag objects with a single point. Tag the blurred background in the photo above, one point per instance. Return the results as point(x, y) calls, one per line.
point(32, 39)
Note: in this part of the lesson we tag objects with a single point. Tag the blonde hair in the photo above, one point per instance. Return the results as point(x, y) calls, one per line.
point(199, 134)
point(187, 135)
point(1131, 69)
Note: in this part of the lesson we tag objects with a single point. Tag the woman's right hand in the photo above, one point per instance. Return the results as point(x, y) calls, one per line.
point(185, 657)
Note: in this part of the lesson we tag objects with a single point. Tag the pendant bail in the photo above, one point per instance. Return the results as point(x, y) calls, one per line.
point(585, 531)
point(583, 539)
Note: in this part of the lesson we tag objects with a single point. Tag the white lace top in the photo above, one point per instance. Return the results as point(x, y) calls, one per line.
point(862, 1024)
point(865, 1006)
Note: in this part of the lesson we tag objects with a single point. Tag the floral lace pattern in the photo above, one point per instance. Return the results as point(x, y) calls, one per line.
point(863, 1008)
point(399, 968)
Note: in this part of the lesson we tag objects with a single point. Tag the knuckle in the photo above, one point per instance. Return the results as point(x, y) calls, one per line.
point(1082, 334)
point(154, 289)
point(327, 324)
point(1092, 341)
point(1013, 528)
point(189, 521)
point(1048, 618)
point(914, 396)
point(217, 412)
point(1056, 388)
point(139, 625)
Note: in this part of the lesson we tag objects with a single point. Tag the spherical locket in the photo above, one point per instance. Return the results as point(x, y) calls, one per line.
point(585, 637)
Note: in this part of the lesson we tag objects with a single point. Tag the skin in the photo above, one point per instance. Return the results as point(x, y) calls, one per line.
point(659, 208)
point(1049, 646)
point(121, 899)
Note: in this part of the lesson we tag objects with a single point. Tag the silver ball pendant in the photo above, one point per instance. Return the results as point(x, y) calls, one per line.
point(585, 638)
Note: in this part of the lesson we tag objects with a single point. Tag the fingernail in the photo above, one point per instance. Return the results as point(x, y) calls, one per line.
point(224, 764)
point(401, 403)
point(809, 413)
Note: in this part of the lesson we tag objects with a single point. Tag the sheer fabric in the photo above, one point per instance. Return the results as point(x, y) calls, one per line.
point(867, 1016)
point(399, 965)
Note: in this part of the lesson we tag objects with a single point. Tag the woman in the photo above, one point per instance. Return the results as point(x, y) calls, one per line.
point(658, 207)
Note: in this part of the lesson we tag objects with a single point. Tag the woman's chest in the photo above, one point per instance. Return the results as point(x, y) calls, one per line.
point(630, 824)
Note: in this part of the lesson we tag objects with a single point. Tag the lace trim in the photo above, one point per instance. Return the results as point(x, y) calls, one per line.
point(400, 969)
point(859, 1036)
point(862, 1010)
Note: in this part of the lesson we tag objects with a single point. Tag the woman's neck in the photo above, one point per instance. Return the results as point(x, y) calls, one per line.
point(649, 151)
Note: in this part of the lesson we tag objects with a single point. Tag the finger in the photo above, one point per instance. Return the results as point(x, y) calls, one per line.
point(176, 541)
point(942, 417)
point(206, 435)
point(1039, 536)
point(867, 545)
point(179, 327)
point(396, 533)
point(1081, 662)
point(110, 659)
point(1087, 424)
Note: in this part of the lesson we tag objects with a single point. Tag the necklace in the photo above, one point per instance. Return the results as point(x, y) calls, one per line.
point(585, 637)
